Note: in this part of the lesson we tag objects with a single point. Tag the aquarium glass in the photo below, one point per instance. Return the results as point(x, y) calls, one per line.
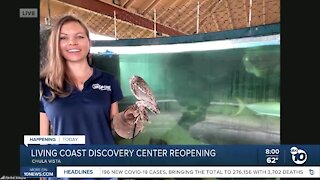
point(225, 93)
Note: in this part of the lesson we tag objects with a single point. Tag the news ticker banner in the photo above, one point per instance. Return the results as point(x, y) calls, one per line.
point(172, 155)
point(173, 172)
point(169, 160)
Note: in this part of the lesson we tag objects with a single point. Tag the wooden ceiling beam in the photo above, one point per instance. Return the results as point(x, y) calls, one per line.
point(178, 10)
point(169, 6)
point(246, 11)
point(215, 22)
point(187, 15)
point(108, 9)
point(123, 3)
point(87, 20)
point(144, 6)
point(106, 25)
point(264, 11)
point(143, 33)
point(212, 7)
point(203, 10)
point(152, 5)
point(229, 14)
point(128, 3)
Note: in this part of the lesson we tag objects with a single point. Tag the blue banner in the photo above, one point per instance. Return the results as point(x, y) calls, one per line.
point(38, 172)
point(174, 155)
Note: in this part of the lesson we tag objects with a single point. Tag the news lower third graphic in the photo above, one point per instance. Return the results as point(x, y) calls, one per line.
point(68, 156)
point(28, 12)
point(299, 156)
point(64, 139)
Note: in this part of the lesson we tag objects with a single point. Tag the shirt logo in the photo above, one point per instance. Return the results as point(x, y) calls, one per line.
point(101, 87)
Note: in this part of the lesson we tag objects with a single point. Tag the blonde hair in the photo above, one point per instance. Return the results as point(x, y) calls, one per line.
point(55, 73)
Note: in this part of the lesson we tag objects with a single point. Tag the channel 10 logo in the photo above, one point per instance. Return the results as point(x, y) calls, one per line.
point(298, 156)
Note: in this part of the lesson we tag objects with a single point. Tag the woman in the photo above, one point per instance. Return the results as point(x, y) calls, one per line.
point(76, 98)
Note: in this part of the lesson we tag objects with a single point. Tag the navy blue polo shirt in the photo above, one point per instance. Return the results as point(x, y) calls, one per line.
point(85, 112)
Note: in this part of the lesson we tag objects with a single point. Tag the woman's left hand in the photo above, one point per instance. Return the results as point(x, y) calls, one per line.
point(127, 123)
point(132, 115)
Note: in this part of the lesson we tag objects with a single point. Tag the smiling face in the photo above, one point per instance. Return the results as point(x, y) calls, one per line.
point(74, 42)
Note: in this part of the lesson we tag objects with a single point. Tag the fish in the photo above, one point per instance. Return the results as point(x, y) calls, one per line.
point(261, 108)
point(265, 108)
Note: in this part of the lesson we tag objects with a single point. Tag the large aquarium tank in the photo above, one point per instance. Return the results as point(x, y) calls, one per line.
point(214, 88)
